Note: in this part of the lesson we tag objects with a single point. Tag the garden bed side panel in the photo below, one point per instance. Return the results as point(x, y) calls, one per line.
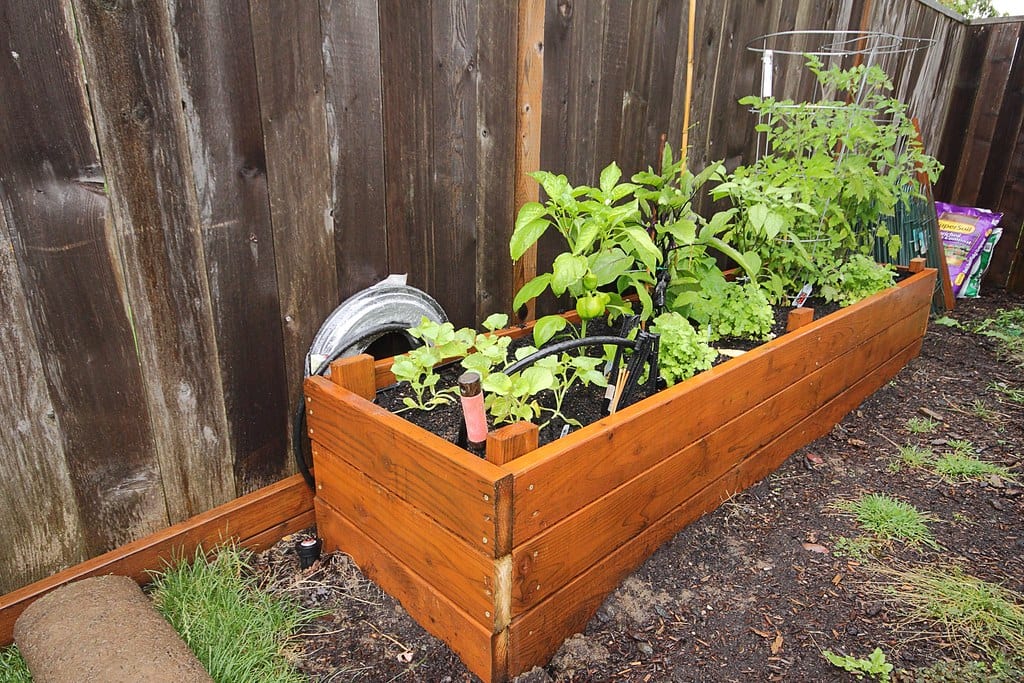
point(426, 520)
point(558, 479)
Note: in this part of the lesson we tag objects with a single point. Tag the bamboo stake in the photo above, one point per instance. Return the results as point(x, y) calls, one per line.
point(689, 81)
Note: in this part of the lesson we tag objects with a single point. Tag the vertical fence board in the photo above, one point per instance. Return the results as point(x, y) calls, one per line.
point(452, 158)
point(40, 528)
point(666, 37)
point(495, 135)
point(290, 77)
point(991, 87)
point(58, 216)
point(229, 168)
point(352, 71)
point(138, 113)
point(406, 81)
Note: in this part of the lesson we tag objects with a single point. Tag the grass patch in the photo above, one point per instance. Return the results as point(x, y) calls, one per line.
point(921, 425)
point(916, 456)
point(13, 668)
point(1007, 392)
point(980, 410)
point(948, 671)
point(968, 613)
point(891, 519)
point(239, 632)
point(961, 464)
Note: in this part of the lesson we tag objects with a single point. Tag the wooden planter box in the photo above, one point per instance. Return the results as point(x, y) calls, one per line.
point(503, 562)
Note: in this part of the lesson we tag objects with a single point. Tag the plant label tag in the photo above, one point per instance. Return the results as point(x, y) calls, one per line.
point(802, 295)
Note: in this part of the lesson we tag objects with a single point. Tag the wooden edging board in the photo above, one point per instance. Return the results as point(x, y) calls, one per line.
point(256, 521)
point(604, 484)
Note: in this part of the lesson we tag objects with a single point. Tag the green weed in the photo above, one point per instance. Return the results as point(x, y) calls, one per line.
point(239, 633)
point(857, 548)
point(891, 519)
point(946, 671)
point(874, 666)
point(1007, 328)
point(921, 425)
point(13, 668)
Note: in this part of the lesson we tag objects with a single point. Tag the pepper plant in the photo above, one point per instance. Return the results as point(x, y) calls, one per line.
point(606, 243)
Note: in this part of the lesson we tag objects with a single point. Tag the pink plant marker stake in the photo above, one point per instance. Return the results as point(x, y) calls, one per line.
point(473, 409)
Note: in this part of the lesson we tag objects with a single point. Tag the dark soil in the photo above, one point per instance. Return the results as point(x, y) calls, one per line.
point(758, 588)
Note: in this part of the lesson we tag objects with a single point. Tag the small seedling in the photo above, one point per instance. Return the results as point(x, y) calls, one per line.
point(946, 321)
point(874, 666)
point(921, 425)
point(891, 519)
point(13, 668)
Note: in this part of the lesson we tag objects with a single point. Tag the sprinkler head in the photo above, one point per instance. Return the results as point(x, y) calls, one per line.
point(308, 550)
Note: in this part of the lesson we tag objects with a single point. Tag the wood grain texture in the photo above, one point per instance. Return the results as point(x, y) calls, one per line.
point(355, 373)
point(355, 129)
point(529, 114)
point(511, 441)
point(225, 136)
point(61, 255)
point(253, 520)
point(537, 634)
point(287, 44)
point(461, 571)
point(494, 73)
point(136, 104)
point(431, 607)
point(442, 480)
point(40, 525)
point(551, 559)
point(558, 478)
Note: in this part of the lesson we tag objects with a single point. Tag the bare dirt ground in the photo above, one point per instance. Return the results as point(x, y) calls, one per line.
point(757, 589)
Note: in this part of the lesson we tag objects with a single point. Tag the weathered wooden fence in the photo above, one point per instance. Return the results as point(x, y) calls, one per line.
point(983, 141)
point(188, 189)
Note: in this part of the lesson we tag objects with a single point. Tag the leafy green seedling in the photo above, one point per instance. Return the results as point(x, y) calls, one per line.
point(874, 666)
point(922, 425)
point(946, 321)
point(683, 353)
point(857, 548)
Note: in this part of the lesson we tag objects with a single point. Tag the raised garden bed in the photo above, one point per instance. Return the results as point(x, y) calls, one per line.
point(504, 561)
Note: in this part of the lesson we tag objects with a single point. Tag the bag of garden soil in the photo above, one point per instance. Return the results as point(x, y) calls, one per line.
point(966, 233)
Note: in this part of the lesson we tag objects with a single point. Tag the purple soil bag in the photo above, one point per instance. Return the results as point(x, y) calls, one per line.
point(964, 230)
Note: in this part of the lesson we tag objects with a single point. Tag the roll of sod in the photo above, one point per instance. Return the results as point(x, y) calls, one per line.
point(103, 629)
